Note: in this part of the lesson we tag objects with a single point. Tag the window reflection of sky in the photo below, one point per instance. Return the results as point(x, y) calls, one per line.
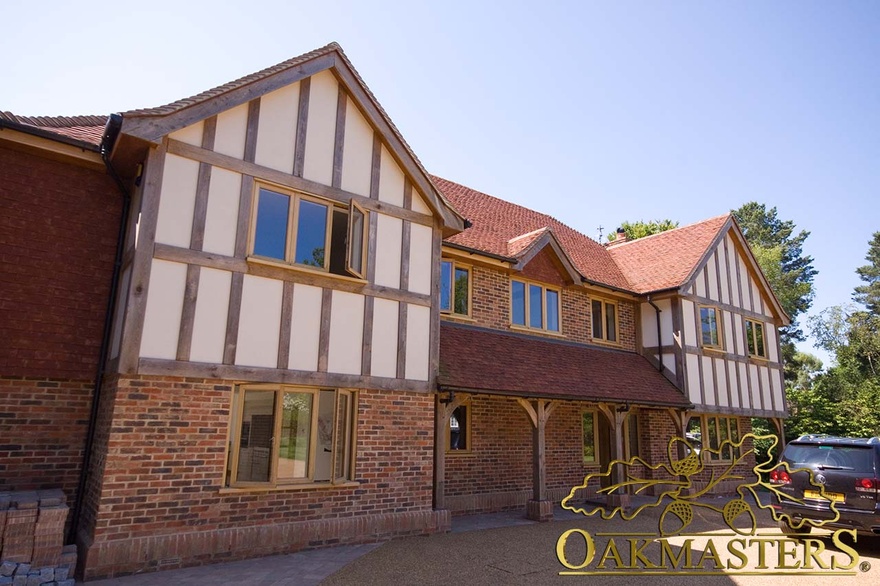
point(271, 237)
point(311, 233)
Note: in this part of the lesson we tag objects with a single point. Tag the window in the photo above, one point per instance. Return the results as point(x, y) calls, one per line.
point(590, 428)
point(459, 429)
point(755, 339)
point(288, 435)
point(710, 431)
point(709, 327)
point(604, 318)
point(455, 288)
point(306, 231)
point(534, 306)
point(631, 433)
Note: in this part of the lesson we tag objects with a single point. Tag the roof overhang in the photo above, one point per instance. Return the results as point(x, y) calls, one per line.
point(49, 144)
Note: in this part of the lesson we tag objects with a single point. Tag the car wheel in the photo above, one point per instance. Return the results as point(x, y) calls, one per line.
point(789, 530)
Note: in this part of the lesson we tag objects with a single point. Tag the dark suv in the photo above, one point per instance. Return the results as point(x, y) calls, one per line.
point(849, 471)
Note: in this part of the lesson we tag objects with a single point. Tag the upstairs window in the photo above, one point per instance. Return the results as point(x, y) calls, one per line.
point(310, 232)
point(455, 288)
point(604, 319)
point(534, 306)
point(710, 331)
point(755, 339)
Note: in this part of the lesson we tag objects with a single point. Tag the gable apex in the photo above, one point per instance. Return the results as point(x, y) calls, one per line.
point(151, 125)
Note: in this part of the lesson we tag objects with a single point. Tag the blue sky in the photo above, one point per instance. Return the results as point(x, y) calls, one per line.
point(595, 112)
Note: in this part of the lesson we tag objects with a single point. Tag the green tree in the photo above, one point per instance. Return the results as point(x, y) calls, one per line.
point(641, 228)
point(779, 252)
point(869, 293)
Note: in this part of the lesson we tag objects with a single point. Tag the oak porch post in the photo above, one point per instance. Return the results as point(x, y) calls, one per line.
point(539, 508)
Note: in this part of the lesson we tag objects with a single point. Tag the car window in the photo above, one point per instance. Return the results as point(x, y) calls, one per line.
point(856, 458)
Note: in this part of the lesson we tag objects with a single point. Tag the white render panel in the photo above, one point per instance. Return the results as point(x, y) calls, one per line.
point(418, 341)
point(259, 322)
point(191, 134)
point(418, 203)
point(708, 381)
point(721, 382)
point(357, 152)
point(740, 336)
point(118, 312)
point(744, 385)
point(649, 325)
point(164, 308)
point(689, 324)
point(665, 306)
point(221, 219)
point(390, 179)
point(276, 136)
point(766, 390)
point(732, 261)
point(305, 327)
point(756, 297)
point(693, 378)
point(420, 265)
point(700, 284)
point(725, 268)
point(177, 200)
point(713, 278)
point(745, 285)
point(727, 331)
point(669, 362)
point(321, 128)
point(389, 234)
point(755, 395)
point(209, 322)
point(346, 333)
point(384, 354)
point(776, 382)
point(231, 132)
point(770, 342)
point(734, 387)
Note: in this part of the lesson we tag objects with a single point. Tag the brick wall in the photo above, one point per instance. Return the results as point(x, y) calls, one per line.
point(163, 464)
point(497, 473)
point(491, 304)
point(58, 226)
point(545, 268)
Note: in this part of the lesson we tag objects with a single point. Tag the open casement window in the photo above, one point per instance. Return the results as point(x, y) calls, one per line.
point(710, 327)
point(710, 432)
point(604, 320)
point(455, 288)
point(307, 231)
point(460, 429)
point(590, 432)
point(534, 306)
point(289, 435)
point(755, 339)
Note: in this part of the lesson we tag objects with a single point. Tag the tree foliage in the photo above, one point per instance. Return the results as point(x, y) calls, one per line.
point(779, 252)
point(641, 228)
point(869, 293)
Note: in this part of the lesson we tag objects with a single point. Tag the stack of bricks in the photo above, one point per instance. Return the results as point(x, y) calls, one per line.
point(32, 550)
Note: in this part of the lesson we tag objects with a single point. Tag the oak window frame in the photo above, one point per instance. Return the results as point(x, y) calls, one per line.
point(343, 438)
point(602, 321)
point(756, 344)
point(529, 287)
point(454, 269)
point(715, 321)
point(356, 235)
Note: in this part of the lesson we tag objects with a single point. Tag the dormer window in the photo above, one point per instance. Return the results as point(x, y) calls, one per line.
point(534, 306)
point(298, 229)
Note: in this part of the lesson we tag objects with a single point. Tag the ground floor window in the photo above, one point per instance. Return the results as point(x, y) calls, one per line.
point(459, 429)
point(286, 435)
point(710, 431)
point(631, 434)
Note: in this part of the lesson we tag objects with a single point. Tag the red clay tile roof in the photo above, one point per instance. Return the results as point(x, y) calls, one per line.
point(87, 129)
point(667, 259)
point(496, 222)
point(517, 364)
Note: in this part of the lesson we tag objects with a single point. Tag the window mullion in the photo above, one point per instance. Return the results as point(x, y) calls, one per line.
point(278, 415)
point(236, 434)
point(334, 442)
point(292, 216)
point(313, 434)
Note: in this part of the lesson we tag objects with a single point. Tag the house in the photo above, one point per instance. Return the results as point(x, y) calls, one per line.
point(304, 339)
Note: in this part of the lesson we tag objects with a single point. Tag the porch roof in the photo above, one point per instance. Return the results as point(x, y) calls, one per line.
point(495, 362)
